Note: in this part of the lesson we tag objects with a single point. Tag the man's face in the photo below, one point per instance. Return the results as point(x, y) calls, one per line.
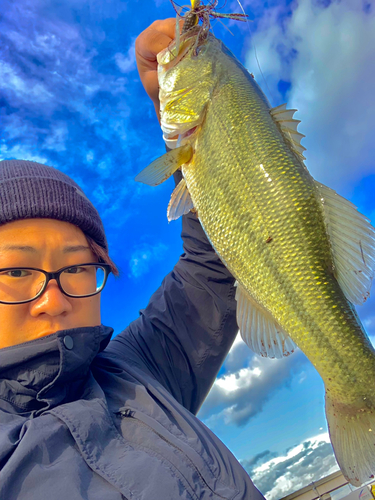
point(46, 244)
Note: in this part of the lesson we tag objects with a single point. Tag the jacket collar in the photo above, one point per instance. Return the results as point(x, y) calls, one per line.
point(38, 375)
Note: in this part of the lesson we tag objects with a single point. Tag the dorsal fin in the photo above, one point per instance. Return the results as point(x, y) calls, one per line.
point(288, 125)
point(353, 244)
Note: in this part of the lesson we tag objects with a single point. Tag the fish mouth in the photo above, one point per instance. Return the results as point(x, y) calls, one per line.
point(174, 140)
point(177, 50)
point(189, 132)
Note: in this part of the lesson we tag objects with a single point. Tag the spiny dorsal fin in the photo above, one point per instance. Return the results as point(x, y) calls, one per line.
point(180, 202)
point(353, 244)
point(160, 169)
point(288, 125)
point(259, 329)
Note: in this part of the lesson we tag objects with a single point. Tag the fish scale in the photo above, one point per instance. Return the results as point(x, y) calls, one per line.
point(280, 233)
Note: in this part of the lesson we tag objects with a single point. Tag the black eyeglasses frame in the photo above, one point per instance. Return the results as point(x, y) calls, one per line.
point(56, 276)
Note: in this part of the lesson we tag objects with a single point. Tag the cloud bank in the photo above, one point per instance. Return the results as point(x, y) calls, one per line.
point(317, 56)
point(279, 475)
point(240, 394)
point(65, 96)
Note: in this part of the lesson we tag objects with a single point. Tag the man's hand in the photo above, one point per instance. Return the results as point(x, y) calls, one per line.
point(148, 44)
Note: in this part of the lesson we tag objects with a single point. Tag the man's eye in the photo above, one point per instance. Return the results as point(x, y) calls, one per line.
point(74, 270)
point(17, 273)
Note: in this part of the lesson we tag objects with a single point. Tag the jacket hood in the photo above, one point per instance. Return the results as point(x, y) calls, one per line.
point(43, 373)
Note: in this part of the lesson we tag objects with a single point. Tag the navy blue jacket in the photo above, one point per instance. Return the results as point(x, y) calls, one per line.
point(86, 417)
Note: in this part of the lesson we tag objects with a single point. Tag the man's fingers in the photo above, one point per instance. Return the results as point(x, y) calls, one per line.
point(167, 26)
point(154, 39)
point(147, 46)
point(146, 50)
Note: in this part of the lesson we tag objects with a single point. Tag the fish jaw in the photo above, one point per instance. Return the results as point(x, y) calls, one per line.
point(186, 83)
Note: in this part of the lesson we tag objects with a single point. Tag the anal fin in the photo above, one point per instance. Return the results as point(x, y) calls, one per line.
point(259, 329)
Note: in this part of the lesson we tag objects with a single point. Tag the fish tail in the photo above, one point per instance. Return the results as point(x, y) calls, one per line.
point(352, 433)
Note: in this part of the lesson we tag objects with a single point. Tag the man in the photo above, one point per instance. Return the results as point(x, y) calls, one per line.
point(83, 416)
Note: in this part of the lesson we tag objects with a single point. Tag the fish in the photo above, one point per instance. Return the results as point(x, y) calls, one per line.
point(302, 255)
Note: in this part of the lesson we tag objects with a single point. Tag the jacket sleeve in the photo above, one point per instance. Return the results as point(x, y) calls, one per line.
point(184, 334)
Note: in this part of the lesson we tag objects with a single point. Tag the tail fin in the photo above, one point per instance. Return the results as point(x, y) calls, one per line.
point(353, 439)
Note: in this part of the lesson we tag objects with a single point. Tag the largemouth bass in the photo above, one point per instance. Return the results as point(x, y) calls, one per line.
point(301, 254)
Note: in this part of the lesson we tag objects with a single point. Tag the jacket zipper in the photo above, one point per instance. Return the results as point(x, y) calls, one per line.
point(128, 413)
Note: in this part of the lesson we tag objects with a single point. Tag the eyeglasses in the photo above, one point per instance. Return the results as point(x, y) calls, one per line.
point(24, 284)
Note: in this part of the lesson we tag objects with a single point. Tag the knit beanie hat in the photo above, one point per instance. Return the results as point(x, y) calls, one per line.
point(30, 190)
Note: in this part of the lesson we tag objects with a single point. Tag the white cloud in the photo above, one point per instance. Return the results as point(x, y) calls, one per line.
point(326, 53)
point(238, 356)
point(57, 137)
point(126, 62)
point(237, 381)
point(21, 152)
point(101, 196)
point(28, 89)
point(238, 396)
point(55, 64)
point(144, 256)
point(46, 43)
point(90, 156)
point(279, 475)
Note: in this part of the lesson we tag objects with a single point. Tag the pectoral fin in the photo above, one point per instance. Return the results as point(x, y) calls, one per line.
point(180, 203)
point(258, 328)
point(162, 168)
point(353, 244)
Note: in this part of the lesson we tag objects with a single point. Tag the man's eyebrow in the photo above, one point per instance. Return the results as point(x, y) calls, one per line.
point(75, 248)
point(27, 248)
point(24, 248)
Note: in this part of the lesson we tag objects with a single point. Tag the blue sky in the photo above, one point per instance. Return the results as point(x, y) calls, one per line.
point(70, 97)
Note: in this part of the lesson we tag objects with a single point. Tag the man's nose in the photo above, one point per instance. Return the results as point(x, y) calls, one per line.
point(52, 302)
